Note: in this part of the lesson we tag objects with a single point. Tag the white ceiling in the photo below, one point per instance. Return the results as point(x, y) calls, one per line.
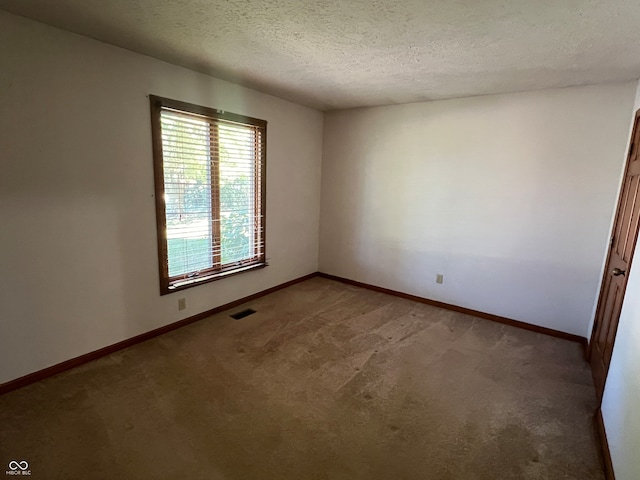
point(333, 54)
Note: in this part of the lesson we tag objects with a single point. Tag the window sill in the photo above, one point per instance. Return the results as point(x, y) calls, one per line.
point(178, 285)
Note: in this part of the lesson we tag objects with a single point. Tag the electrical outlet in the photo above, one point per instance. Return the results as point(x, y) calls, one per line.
point(182, 303)
point(439, 278)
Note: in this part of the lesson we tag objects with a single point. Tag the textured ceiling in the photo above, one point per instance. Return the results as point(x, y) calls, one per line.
point(334, 54)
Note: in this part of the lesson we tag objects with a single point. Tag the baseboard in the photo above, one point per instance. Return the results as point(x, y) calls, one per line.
point(468, 311)
point(604, 445)
point(87, 357)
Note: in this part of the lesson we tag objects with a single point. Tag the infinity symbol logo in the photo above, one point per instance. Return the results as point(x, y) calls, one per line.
point(23, 465)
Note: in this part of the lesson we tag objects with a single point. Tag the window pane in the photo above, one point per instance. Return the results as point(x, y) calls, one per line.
point(187, 177)
point(237, 192)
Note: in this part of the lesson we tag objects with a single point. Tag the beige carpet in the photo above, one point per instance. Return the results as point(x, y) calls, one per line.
point(325, 381)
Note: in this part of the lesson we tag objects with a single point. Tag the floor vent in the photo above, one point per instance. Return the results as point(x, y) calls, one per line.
point(243, 313)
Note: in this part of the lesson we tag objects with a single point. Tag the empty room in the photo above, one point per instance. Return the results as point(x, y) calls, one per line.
point(319, 240)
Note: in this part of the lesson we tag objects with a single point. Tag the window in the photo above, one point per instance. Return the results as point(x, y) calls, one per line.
point(210, 192)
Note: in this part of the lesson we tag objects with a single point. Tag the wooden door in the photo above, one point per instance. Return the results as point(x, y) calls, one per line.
point(616, 273)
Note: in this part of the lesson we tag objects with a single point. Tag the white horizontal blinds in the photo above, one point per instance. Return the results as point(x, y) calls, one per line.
point(240, 222)
point(187, 191)
point(212, 197)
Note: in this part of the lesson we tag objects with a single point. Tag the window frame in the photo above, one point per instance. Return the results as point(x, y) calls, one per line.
point(183, 281)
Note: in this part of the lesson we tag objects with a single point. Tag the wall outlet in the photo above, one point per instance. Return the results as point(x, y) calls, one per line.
point(439, 278)
point(182, 303)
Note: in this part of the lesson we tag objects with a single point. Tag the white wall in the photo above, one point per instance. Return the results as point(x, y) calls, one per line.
point(509, 196)
point(621, 401)
point(78, 237)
